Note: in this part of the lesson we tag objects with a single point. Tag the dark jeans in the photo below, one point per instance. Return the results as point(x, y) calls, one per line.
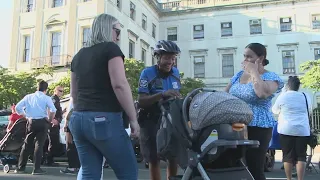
point(37, 130)
point(72, 154)
point(255, 157)
point(54, 146)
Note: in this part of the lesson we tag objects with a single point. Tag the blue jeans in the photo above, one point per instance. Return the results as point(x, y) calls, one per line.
point(79, 177)
point(101, 134)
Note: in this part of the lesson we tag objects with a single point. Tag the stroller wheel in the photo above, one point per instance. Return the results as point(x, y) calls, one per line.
point(146, 165)
point(6, 168)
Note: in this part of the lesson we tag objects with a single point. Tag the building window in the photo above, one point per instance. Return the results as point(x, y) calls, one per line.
point(227, 65)
point(29, 6)
point(131, 49)
point(199, 67)
point(143, 55)
point(144, 21)
point(56, 47)
point(26, 52)
point(154, 59)
point(316, 21)
point(288, 62)
point(153, 30)
point(255, 26)
point(226, 29)
point(85, 36)
point(132, 11)
point(172, 34)
point(119, 4)
point(317, 54)
point(86, 0)
point(198, 31)
point(57, 3)
point(286, 24)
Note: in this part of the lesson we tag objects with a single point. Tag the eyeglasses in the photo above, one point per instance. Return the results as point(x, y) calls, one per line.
point(118, 31)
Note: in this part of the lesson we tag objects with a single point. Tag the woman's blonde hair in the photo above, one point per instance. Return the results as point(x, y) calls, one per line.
point(101, 30)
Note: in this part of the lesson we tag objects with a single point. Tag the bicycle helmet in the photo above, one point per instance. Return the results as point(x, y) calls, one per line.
point(163, 46)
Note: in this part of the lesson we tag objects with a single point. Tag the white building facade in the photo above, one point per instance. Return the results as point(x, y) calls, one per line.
point(212, 34)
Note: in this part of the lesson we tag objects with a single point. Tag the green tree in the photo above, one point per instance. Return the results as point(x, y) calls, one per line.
point(189, 84)
point(311, 78)
point(13, 87)
point(64, 82)
point(133, 69)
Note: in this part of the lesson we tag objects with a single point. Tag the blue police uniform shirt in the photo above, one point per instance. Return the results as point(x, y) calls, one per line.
point(151, 83)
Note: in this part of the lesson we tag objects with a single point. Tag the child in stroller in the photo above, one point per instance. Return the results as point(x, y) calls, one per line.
point(10, 145)
point(207, 133)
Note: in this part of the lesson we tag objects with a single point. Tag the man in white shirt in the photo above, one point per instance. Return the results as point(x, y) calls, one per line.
point(34, 107)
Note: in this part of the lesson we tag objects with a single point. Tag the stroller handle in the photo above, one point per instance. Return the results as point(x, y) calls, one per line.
point(187, 101)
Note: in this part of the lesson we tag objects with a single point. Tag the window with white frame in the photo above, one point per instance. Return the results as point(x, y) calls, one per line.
point(227, 65)
point(57, 3)
point(132, 11)
point(85, 36)
point(285, 24)
point(316, 53)
point(26, 51)
point(288, 62)
point(154, 59)
point(255, 26)
point(119, 4)
point(55, 47)
point(199, 66)
point(226, 29)
point(143, 55)
point(154, 30)
point(29, 7)
point(131, 49)
point(86, 0)
point(144, 22)
point(172, 34)
point(198, 31)
point(316, 21)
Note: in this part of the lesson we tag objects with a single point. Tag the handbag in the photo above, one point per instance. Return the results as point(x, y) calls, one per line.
point(313, 139)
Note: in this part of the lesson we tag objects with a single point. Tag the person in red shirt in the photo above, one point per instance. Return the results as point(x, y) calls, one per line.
point(13, 117)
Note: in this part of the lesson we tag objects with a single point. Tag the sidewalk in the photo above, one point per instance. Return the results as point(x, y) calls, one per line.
point(315, 157)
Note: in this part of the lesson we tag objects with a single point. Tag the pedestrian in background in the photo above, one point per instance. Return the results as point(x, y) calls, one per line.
point(34, 107)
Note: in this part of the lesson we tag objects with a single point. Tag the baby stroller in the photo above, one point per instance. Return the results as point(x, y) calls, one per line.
point(206, 132)
point(10, 145)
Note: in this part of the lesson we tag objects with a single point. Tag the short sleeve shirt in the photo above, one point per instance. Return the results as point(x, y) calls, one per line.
point(94, 89)
point(151, 83)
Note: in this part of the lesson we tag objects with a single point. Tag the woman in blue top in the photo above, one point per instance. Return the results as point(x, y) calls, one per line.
point(257, 86)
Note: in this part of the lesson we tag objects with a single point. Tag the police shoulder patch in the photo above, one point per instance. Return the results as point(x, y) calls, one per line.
point(143, 83)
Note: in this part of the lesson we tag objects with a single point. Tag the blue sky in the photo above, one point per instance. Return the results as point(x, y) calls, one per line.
point(5, 31)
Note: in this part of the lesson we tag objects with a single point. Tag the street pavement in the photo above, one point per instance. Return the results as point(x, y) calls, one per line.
point(53, 173)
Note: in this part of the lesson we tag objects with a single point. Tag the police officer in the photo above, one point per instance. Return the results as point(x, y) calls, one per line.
point(55, 147)
point(157, 82)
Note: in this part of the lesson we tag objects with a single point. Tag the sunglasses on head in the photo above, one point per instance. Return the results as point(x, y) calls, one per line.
point(118, 31)
point(60, 90)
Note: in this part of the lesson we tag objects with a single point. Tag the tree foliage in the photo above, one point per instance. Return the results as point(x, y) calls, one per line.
point(133, 68)
point(13, 87)
point(311, 78)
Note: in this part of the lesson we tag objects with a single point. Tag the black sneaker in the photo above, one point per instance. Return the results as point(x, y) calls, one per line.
point(19, 171)
point(38, 172)
point(68, 171)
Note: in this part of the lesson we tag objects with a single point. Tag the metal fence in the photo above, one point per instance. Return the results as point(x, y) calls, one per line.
point(315, 119)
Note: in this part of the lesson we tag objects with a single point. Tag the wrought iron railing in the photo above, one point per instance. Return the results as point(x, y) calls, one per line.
point(315, 119)
point(192, 4)
point(51, 61)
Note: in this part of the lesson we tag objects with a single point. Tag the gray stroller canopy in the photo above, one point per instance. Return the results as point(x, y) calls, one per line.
point(209, 108)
